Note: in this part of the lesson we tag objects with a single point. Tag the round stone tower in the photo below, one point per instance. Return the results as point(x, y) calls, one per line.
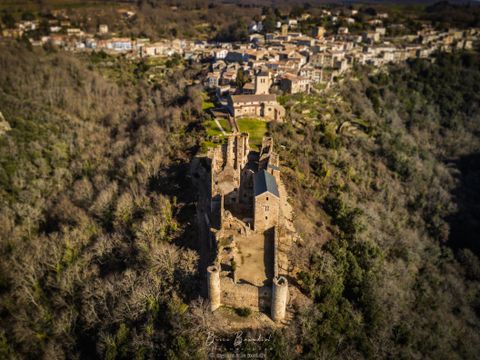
point(213, 281)
point(279, 298)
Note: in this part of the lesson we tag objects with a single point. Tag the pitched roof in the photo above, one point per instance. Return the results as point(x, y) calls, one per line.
point(252, 98)
point(265, 182)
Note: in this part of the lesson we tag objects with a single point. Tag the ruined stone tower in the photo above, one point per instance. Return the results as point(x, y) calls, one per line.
point(213, 281)
point(279, 298)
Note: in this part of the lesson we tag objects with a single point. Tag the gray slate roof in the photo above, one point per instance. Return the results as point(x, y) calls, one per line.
point(265, 182)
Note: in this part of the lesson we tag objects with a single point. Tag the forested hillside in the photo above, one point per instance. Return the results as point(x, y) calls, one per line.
point(91, 261)
point(97, 236)
point(386, 176)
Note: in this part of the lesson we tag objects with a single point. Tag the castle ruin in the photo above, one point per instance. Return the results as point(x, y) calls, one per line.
point(245, 217)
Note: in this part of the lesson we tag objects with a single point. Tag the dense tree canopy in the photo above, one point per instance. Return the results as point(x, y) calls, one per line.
point(97, 239)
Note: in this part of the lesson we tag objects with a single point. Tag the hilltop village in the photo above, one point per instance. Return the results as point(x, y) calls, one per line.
point(245, 77)
point(295, 61)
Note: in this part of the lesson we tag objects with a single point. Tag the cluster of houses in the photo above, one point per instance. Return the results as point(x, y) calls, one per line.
point(288, 61)
point(296, 62)
point(284, 61)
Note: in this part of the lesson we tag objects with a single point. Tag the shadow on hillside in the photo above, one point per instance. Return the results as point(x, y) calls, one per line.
point(174, 181)
point(465, 223)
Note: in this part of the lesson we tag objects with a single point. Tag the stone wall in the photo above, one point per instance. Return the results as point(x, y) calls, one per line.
point(227, 161)
point(275, 251)
point(245, 295)
point(246, 188)
point(229, 222)
point(231, 201)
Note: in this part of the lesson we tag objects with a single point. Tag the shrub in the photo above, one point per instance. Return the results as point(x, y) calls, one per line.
point(243, 311)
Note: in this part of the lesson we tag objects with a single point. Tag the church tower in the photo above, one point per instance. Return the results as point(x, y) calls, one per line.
point(262, 83)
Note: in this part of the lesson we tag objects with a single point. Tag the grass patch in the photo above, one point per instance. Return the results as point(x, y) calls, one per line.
point(214, 135)
point(225, 125)
point(207, 105)
point(207, 145)
point(255, 128)
point(212, 128)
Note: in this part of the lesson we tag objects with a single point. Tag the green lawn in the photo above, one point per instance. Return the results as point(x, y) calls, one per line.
point(256, 129)
point(214, 136)
point(207, 105)
point(212, 128)
point(225, 125)
point(205, 145)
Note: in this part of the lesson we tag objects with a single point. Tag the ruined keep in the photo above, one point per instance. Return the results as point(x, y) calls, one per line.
point(246, 219)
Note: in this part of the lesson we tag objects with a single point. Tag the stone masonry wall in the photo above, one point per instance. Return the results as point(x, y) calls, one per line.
point(245, 295)
point(275, 251)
